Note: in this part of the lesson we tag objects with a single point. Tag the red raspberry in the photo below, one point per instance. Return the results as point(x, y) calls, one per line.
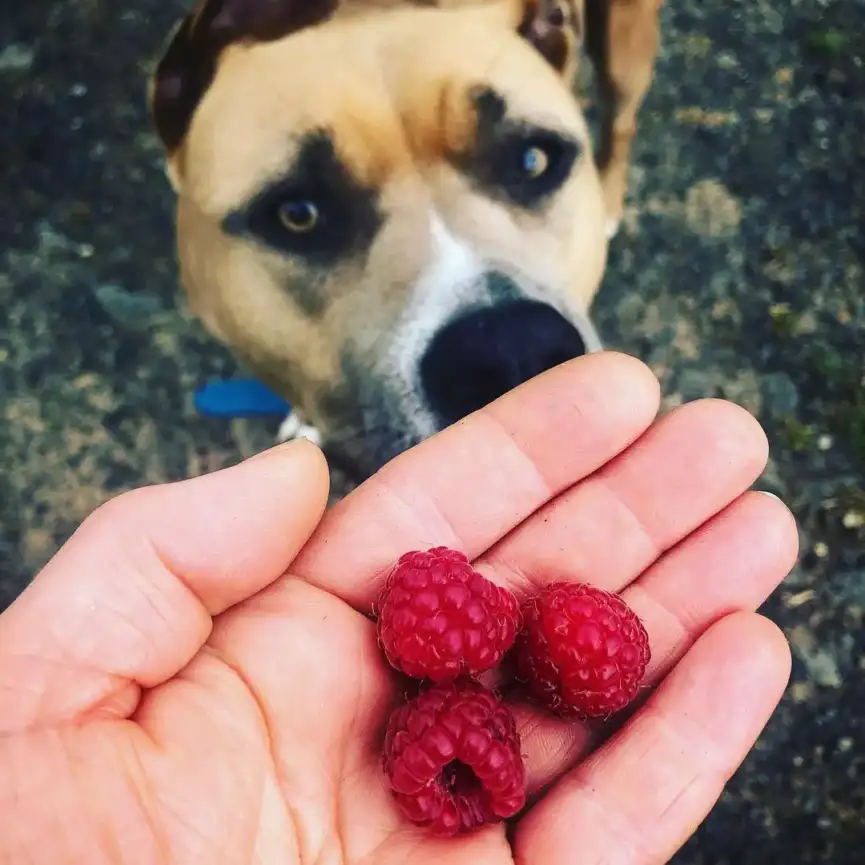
point(452, 756)
point(582, 651)
point(439, 619)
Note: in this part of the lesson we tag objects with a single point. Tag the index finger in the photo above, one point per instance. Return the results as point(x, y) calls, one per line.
point(471, 484)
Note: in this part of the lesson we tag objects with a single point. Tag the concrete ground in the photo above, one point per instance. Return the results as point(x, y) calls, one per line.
point(739, 273)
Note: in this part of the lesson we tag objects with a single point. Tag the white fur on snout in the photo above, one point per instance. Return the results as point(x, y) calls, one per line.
point(452, 273)
point(452, 262)
point(450, 280)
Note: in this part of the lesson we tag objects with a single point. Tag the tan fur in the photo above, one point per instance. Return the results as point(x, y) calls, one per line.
point(395, 108)
point(624, 67)
point(393, 83)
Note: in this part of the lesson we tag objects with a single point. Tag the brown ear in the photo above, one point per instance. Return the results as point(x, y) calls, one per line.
point(554, 27)
point(189, 62)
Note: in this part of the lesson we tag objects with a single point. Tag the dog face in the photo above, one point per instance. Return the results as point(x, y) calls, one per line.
point(391, 214)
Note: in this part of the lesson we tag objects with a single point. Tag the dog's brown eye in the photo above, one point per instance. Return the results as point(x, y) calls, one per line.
point(535, 161)
point(300, 217)
point(528, 164)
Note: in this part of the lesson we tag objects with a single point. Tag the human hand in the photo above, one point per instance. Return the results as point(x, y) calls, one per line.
point(168, 696)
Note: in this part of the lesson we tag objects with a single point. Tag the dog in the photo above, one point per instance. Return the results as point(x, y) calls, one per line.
point(389, 210)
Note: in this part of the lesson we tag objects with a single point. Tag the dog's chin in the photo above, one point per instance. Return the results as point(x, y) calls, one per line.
point(357, 456)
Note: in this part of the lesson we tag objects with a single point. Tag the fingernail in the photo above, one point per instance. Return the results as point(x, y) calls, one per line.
point(771, 496)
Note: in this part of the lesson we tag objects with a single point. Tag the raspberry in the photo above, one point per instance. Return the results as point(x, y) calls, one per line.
point(452, 756)
point(582, 651)
point(439, 619)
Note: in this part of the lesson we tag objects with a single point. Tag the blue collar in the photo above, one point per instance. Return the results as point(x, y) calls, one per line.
point(240, 397)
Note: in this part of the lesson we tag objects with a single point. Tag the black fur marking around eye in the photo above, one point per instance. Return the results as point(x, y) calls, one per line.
point(348, 215)
point(496, 162)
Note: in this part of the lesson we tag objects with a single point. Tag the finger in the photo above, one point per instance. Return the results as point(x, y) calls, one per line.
point(129, 599)
point(470, 485)
point(609, 528)
point(640, 796)
point(732, 563)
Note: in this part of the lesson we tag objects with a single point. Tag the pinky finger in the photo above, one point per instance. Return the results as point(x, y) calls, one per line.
point(639, 797)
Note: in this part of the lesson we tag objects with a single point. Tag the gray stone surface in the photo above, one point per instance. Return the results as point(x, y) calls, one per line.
point(739, 273)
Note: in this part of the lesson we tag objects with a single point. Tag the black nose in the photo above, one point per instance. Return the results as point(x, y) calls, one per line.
point(475, 359)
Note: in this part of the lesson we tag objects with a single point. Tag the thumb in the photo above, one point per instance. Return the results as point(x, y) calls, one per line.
point(129, 600)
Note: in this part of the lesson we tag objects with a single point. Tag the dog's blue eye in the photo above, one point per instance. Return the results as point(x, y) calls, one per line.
point(299, 217)
point(535, 161)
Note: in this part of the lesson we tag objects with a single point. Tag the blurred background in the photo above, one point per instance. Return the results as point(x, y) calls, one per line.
point(738, 274)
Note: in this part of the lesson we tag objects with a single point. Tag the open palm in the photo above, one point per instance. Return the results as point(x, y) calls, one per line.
point(193, 679)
